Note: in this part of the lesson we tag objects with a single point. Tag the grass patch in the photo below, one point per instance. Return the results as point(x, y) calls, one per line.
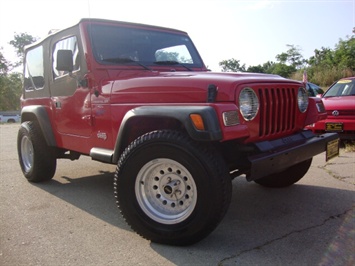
point(349, 146)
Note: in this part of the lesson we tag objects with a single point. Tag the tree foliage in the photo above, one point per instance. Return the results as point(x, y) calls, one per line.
point(10, 86)
point(292, 57)
point(232, 65)
point(281, 69)
point(10, 91)
point(4, 65)
point(11, 82)
point(322, 58)
point(19, 42)
point(327, 65)
point(323, 68)
point(344, 53)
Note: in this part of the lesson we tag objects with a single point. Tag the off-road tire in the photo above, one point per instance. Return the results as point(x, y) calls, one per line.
point(287, 177)
point(37, 160)
point(170, 189)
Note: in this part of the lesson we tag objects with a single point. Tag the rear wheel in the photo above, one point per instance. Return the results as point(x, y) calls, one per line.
point(36, 158)
point(287, 177)
point(170, 189)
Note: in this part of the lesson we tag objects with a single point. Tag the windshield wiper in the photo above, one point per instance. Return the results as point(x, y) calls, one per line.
point(124, 60)
point(167, 63)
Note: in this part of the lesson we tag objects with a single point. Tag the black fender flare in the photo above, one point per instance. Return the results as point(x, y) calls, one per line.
point(39, 113)
point(212, 130)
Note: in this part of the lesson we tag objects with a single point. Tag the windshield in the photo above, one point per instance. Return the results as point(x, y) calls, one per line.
point(345, 87)
point(116, 45)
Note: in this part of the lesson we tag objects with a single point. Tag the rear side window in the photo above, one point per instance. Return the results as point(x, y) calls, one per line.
point(34, 71)
point(65, 44)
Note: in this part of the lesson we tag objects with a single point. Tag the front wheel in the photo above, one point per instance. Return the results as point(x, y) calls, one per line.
point(36, 158)
point(287, 177)
point(170, 189)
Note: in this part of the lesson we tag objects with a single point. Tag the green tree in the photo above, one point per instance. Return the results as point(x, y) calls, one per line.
point(328, 65)
point(10, 91)
point(288, 63)
point(10, 87)
point(256, 69)
point(19, 42)
point(269, 67)
point(232, 65)
point(323, 57)
point(344, 54)
point(4, 64)
point(292, 57)
point(10, 81)
point(323, 68)
point(283, 70)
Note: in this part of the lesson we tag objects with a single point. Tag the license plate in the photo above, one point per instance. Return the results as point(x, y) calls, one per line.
point(335, 127)
point(332, 149)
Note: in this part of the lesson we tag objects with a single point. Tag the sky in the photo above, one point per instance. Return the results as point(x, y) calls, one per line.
point(252, 32)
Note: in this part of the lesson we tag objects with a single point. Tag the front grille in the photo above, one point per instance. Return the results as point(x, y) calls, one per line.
point(277, 110)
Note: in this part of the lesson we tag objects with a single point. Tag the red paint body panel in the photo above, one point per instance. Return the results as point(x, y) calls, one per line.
point(91, 116)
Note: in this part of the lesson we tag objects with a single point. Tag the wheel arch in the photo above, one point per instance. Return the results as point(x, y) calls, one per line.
point(39, 113)
point(166, 117)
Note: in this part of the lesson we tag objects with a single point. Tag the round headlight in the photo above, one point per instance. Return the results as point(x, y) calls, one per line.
point(248, 103)
point(302, 99)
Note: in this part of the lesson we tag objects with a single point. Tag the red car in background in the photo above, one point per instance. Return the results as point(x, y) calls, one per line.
point(339, 102)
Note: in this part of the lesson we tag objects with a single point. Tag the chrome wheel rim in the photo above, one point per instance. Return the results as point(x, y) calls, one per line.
point(27, 153)
point(166, 191)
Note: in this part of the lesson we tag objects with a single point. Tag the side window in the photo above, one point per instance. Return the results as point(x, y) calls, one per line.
point(34, 71)
point(65, 44)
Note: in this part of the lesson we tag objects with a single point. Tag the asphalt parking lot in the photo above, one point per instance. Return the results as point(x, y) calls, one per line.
point(73, 219)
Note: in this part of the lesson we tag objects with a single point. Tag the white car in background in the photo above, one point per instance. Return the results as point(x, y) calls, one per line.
point(7, 117)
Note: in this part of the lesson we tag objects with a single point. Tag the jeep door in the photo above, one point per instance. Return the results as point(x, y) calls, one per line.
point(70, 97)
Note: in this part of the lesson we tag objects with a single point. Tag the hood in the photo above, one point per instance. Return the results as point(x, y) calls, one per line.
point(182, 87)
point(339, 103)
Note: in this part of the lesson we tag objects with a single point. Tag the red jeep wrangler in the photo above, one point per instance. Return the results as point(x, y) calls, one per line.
point(140, 97)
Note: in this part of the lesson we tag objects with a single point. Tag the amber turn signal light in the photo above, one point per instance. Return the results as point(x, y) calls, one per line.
point(197, 121)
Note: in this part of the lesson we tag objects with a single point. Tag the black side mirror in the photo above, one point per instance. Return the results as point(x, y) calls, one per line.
point(65, 60)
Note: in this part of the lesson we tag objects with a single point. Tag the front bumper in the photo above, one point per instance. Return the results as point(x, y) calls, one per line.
point(280, 154)
point(346, 132)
